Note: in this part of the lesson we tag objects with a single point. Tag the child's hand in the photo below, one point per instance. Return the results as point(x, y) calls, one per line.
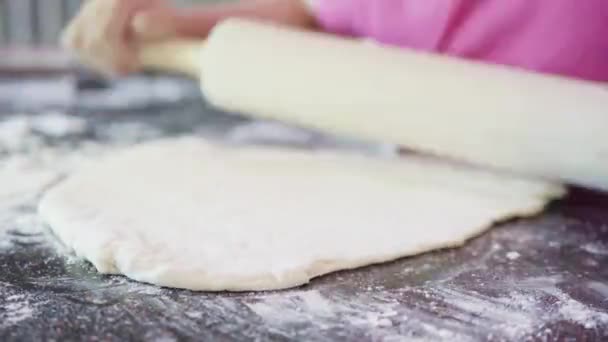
point(104, 34)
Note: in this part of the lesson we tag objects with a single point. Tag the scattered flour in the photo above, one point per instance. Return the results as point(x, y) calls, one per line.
point(16, 310)
point(15, 307)
point(505, 316)
point(377, 315)
point(596, 248)
point(130, 132)
point(14, 132)
point(523, 312)
point(194, 314)
point(145, 289)
point(130, 286)
point(57, 124)
point(513, 255)
point(515, 315)
point(24, 132)
point(376, 320)
point(24, 229)
point(572, 310)
point(270, 132)
point(599, 288)
point(139, 93)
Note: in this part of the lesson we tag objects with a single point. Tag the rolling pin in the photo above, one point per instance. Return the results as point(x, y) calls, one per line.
point(493, 116)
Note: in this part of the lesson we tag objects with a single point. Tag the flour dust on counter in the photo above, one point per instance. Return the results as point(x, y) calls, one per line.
point(419, 299)
point(511, 315)
point(191, 214)
point(16, 306)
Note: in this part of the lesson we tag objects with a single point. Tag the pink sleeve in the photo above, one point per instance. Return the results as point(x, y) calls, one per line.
point(414, 23)
point(336, 16)
point(565, 37)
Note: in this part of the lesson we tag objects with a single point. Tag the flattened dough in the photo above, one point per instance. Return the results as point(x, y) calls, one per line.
point(189, 214)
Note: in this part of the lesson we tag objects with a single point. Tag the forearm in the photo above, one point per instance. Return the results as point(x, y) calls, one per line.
point(197, 21)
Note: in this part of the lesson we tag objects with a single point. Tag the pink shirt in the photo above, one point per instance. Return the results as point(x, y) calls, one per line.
point(567, 37)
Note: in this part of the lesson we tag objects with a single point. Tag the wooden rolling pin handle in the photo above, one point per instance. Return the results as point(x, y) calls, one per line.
point(179, 56)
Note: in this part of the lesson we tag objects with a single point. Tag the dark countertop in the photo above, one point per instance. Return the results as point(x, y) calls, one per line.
point(536, 279)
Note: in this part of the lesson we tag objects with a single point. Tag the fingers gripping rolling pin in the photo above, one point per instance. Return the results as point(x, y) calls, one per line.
point(493, 116)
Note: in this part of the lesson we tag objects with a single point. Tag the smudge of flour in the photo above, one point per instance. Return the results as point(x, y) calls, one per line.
point(276, 133)
point(377, 316)
point(513, 315)
point(136, 93)
point(15, 310)
point(513, 255)
point(132, 286)
point(519, 313)
point(16, 307)
point(24, 132)
point(572, 310)
point(57, 124)
point(22, 229)
point(596, 248)
point(14, 132)
point(268, 132)
point(599, 288)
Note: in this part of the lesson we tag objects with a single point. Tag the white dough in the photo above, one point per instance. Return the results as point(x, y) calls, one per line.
point(188, 214)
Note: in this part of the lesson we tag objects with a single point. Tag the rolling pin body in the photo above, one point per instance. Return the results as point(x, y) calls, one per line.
point(493, 116)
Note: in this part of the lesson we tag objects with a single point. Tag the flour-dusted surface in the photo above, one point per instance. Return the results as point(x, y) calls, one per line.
point(538, 279)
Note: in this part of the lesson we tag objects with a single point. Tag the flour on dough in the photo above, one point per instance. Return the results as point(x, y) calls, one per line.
point(189, 214)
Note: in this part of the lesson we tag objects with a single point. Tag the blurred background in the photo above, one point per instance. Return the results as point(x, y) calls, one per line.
point(39, 22)
point(33, 63)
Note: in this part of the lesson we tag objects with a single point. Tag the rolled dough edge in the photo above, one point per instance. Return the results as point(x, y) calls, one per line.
point(61, 223)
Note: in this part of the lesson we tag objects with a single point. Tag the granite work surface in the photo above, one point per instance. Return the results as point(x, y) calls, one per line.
point(541, 278)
